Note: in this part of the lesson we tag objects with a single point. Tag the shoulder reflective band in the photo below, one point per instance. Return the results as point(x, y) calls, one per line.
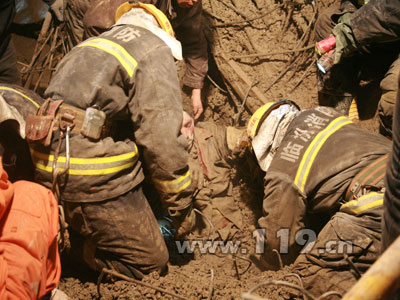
point(365, 202)
point(173, 186)
point(86, 166)
point(124, 58)
point(370, 175)
point(313, 149)
point(3, 88)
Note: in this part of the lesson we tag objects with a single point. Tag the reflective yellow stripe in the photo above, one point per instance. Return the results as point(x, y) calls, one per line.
point(125, 59)
point(86, 166)
point(21, 94)
point(86, 161)
point(313, 149)
point(174, 186)
point(363, 203)
point(73, 171)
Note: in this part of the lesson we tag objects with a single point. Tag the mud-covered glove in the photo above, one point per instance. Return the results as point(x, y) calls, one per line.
point(346, 43)
point(184, 221)
point(57, 8)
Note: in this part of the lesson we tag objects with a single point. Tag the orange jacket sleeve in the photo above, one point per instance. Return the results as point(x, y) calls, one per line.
point(29, 260)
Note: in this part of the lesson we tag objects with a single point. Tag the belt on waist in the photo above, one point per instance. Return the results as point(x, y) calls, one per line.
point(57, 115)
point(372, 175)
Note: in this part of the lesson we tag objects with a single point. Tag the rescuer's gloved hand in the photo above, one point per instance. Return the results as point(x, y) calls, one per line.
point(346, 43)
point(57, 8)
point(184, 221)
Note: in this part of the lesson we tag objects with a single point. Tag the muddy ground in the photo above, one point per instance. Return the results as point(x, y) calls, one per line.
point(234, 28)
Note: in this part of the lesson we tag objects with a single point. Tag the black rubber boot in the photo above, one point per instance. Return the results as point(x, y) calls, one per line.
point(343, 104)
point(340, 103)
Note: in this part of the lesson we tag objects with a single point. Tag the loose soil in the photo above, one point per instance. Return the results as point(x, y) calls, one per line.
point(233, 28)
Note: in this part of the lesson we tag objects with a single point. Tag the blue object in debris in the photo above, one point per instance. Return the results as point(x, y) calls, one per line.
point(166, 227)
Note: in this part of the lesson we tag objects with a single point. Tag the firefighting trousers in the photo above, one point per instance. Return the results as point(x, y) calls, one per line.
point(8, 66)
point(74, 13)
point(345, 248)
point(391, 206)
point(391, 213)
point(120, 234)
point(389, 87)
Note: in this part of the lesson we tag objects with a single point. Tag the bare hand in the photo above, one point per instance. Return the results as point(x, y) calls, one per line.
point(196, 103)
point(58, 9)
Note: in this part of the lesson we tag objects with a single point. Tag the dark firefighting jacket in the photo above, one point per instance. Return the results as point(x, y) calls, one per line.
point(130, 75)
point(321, 155)
point(186, 23)
point(377, 21)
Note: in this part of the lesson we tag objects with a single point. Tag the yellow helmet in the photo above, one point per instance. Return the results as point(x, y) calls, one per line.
point(151, 9)
point(254, 124)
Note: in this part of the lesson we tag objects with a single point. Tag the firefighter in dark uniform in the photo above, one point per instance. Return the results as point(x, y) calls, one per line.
point(366, 53)
point(117, 105)
point(319, 166)
point(88, 18)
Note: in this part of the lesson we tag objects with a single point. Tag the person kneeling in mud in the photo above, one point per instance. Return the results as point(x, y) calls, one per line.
point(323, 189)
point(321, 172)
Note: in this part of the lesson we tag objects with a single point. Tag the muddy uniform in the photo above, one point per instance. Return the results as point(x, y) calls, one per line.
point(318, 172)
point(376, 28)
point(186, 23)
point(88, 18)
point(73, 17)
point(8, 60)
point(187, 26)
point(210, 159)
point(391, 224)
point(129, 74)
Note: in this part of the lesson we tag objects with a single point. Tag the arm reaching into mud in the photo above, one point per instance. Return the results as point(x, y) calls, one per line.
point(283, 212)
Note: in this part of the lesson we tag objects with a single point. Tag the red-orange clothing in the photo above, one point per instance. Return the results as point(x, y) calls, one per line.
point(29, 260)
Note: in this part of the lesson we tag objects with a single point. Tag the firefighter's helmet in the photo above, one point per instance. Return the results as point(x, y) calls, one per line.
point(262, 113)
point(149, 8)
